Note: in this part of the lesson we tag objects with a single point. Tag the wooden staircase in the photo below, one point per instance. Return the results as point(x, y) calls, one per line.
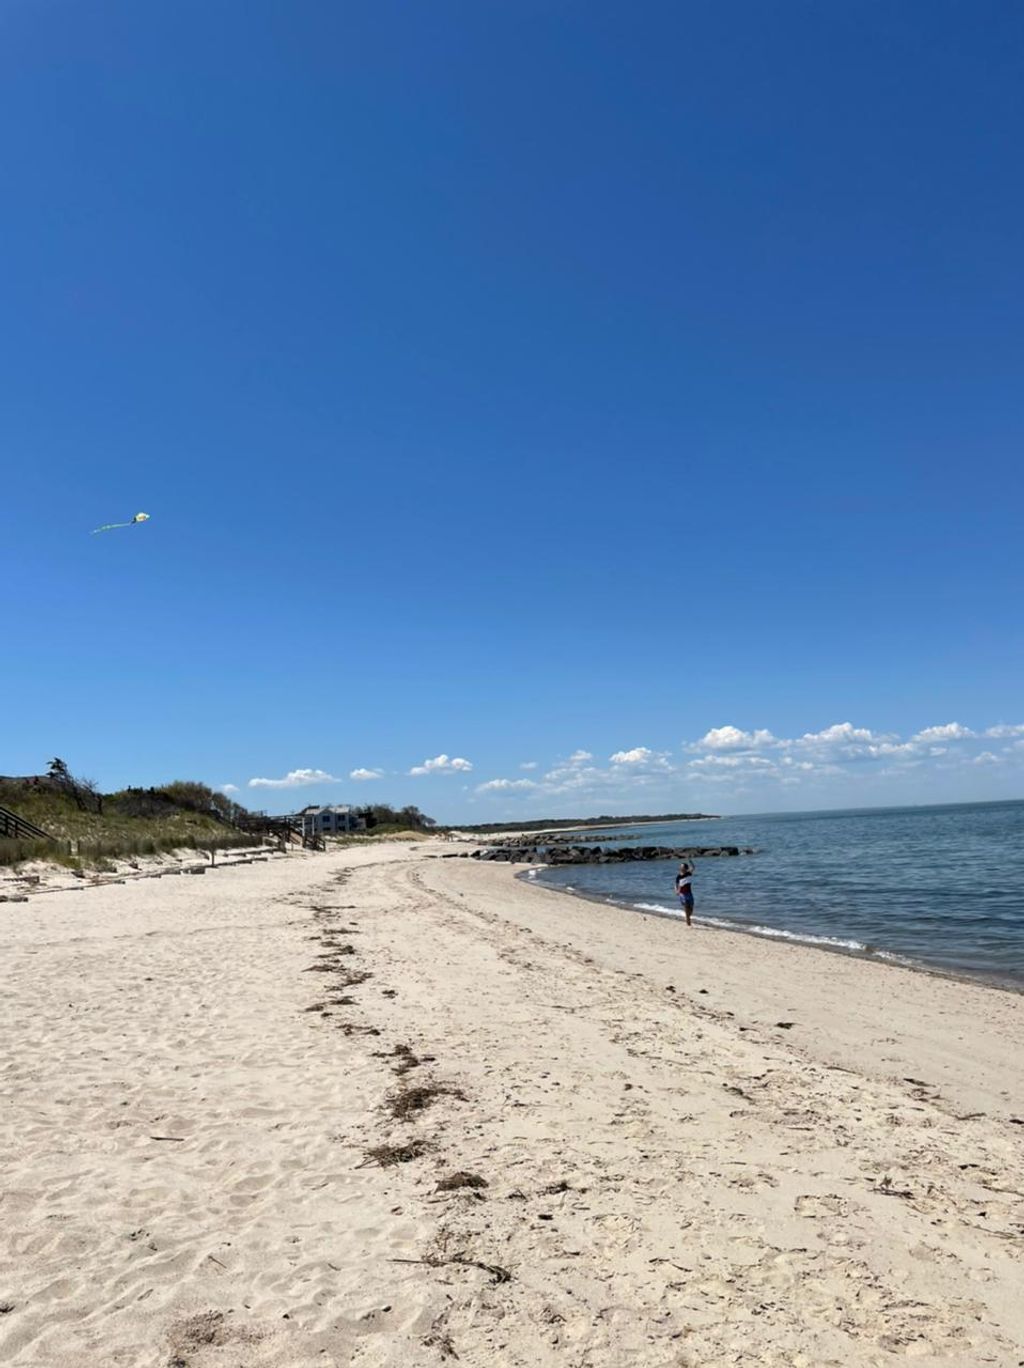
point(13, 827)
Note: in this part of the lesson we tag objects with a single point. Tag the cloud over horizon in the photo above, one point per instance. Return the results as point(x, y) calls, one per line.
point(732, 738)
point(639, 755)
point(839, 749)
point(842, 763)
point(740, 761)
point(950, 731)
point(442, 764)
point(297, 778)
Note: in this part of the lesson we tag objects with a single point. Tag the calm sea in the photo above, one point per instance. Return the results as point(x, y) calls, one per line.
point(938, 887)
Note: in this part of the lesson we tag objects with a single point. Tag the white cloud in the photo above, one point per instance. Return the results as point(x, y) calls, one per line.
point(895, 748)
point(640, 760)
point(840, 733)
point(361, 775)
point(442, 764)
point(731, 738)
point(565, 777)
point(715, 776)
point(950, 731)
point(741, 763)
point(748, 763)
point(298, 778)
point(630, 769)
point(572, 773)
point(229, 788)
point(842, 740)
point(727, 755)
point(639, 755)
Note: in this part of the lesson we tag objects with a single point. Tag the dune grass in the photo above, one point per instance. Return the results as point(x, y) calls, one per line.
point(124, 825)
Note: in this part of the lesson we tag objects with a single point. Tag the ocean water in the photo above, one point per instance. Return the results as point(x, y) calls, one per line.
point(936, 887)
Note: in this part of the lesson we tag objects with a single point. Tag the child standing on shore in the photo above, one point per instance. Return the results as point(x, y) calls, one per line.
point(684, 889)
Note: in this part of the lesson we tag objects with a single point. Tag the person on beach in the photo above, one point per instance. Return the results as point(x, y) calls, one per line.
point(684, 889)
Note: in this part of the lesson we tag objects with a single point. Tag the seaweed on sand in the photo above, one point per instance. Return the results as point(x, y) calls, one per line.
point(404, 1058)
point(411, 1101)
point(388, 1155)
point(455, 1181)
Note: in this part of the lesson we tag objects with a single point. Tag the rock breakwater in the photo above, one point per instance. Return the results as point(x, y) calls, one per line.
point(583, 854)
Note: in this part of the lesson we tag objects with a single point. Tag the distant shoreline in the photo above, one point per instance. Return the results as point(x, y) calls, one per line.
point(543, 826)
point(648, 821)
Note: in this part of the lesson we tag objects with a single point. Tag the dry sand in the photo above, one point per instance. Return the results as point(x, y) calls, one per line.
point(672, 1176)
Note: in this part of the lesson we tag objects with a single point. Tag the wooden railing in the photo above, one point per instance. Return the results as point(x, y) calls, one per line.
point(14, 827)
point(286, 829)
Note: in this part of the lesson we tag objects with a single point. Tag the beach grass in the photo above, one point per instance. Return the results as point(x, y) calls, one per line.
point(120, 826)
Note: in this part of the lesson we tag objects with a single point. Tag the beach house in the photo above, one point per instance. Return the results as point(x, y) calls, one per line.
point(333, 819)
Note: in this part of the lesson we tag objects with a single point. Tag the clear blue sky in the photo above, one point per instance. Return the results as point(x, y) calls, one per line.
point(510, 380)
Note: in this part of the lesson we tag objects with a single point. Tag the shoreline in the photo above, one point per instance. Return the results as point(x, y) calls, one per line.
point(840, 996)
point(884, 958)
point(375, 1108)
point(480, 837)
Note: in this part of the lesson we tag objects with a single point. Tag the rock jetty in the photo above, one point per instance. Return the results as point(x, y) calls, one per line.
point(582, 854)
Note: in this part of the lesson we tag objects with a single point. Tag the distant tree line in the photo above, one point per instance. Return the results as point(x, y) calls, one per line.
point(543, 823)
point(409, 818)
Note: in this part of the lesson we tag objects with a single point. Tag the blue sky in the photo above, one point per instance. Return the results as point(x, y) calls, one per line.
point(512, 381)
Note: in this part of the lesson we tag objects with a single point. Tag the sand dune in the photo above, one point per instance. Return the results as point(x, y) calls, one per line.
point(204, 1080)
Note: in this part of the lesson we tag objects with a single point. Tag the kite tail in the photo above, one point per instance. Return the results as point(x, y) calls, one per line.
point(108, 527)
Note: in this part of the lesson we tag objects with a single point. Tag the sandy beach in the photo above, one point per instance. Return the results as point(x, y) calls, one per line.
point(615, 1142)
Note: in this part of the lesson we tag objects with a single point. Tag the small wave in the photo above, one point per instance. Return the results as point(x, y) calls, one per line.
point(777, 933)
point(897, 959)
point(657, 907)
point(836, 941)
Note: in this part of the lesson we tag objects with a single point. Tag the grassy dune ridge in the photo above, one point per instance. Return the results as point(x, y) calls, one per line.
point(96, 827)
